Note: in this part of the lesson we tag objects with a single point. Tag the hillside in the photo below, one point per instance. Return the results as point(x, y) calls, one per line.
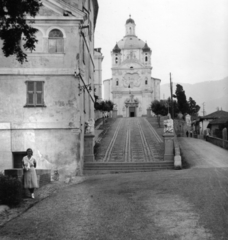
point(213, 93)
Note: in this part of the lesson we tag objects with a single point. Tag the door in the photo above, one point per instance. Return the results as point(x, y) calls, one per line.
point(131, 111)
point(17, 159)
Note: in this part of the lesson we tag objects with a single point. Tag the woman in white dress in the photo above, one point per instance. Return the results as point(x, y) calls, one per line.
point(30, 177)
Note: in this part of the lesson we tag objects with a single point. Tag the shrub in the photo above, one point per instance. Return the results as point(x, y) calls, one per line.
point(11, 191)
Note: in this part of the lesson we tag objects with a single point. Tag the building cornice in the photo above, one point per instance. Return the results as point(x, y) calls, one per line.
point(127, 92)
point(132, 69)
point(54, 18)
point(37, 71)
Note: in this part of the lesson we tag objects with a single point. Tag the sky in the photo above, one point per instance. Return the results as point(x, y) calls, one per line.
point(188, 38)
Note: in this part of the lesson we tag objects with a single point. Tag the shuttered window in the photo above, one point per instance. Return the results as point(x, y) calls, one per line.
point(35, 93)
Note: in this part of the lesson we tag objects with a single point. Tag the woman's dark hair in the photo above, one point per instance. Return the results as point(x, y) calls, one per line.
point(29, 149)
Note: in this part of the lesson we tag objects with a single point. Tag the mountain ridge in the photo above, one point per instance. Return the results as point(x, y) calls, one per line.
point(213, 94)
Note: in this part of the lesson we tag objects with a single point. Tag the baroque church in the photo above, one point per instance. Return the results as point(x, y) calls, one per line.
point(131, 88)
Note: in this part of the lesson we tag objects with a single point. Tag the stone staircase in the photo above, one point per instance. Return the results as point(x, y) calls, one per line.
point(113, 167)
point(131, 144)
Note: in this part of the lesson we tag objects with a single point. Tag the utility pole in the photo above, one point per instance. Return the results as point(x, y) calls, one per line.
point(203, 108)
point(171, 91)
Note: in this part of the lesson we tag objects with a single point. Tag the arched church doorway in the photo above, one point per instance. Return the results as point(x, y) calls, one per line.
point(132, 111)
point(131, 104)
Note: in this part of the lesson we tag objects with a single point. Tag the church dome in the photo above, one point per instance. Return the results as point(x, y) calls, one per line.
point(131, 42)
point(130, 20)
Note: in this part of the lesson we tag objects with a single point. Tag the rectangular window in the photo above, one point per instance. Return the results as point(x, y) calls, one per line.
point(35, 94)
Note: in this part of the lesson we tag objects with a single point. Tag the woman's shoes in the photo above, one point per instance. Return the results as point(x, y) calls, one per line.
point(32, 195)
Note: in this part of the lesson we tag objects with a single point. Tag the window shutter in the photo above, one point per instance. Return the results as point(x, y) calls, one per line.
point(52, 45)
point(39, 93)
point(30, 93)
point(59, 45)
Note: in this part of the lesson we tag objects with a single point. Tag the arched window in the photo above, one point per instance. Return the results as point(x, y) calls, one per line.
point(146, 58)
point(55, 41)
point(146, 82)
point(116, 60)
point(117, 83)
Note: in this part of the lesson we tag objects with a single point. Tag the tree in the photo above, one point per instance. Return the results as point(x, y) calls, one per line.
point(104, 106)
point(14, 27)
point(181, 99)
point(193, 107)
point(160, 107)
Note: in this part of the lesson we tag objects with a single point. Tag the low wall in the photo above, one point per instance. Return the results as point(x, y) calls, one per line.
point(97, 115)
point(217, 141)
point(177, 155)
point(43, 175)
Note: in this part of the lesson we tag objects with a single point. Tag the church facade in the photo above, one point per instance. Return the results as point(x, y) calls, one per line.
point(131, 88)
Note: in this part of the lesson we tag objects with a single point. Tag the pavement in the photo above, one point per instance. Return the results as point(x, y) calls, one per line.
point(3, 208)
point(200, 153)
point(188, 204)
point(7, 214)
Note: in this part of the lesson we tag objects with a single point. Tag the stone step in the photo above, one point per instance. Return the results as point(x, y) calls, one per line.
point(106, 168)
point(128, 165)
point(94, 172)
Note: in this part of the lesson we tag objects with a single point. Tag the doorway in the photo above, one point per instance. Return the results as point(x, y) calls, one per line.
point(132, 112)
point(17, 159)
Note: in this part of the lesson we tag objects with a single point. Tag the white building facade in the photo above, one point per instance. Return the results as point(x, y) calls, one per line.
point(48, 99)
point(131, 87)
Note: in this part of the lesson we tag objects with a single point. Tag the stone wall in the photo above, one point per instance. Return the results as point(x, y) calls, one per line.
point(218, 142)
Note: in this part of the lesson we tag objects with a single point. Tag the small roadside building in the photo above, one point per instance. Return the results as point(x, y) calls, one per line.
point(216, 118)
point(217, 125)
